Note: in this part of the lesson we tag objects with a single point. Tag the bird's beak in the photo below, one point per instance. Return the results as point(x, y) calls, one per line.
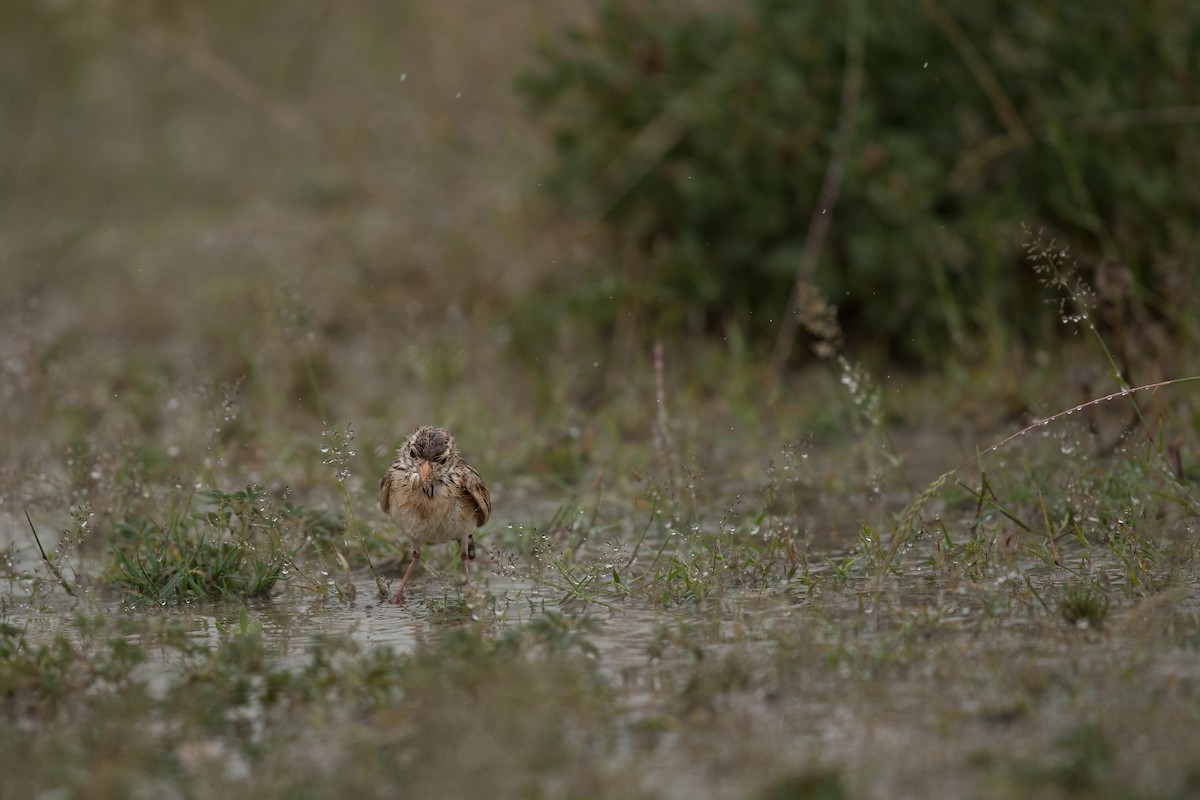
point(424, 471)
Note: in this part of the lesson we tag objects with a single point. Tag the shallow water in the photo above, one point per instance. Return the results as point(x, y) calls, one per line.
point(931, 682)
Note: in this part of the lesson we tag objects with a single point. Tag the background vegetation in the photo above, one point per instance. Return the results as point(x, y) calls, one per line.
point(702, 141)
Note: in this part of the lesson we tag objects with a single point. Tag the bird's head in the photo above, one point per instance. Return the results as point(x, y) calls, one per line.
point(428, 454)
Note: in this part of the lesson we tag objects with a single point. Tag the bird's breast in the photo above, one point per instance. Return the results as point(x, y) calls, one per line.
point(429, 512)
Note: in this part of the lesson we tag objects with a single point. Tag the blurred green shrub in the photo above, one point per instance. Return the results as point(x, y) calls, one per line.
point(701, 140)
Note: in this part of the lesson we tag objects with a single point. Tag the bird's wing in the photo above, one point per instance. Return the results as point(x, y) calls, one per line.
point(385, 493)
point(469, 480)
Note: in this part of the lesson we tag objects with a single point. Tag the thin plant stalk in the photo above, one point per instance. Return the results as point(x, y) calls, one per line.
point(666, 447)
point(1049, 530)
point(53, 568)
point(362, 541)
point(831, 185)
point(908, 517)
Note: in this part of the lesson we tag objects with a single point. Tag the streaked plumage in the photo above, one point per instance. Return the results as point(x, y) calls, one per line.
point(434, 496)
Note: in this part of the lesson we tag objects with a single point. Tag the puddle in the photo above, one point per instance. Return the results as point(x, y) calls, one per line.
point(928, 682)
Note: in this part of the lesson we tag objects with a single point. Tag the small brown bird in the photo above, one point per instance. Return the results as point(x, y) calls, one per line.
point(434, 496)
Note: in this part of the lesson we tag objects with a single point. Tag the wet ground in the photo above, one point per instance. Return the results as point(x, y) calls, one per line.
point(930, 682)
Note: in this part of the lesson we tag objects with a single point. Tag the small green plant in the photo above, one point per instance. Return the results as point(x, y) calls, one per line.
point(555, 634)
point(560, 571)
point(51, 563)
point(34, 672)
point(816, 784)
point(184, 564)
point(1084, 604)
point(234, 548)
point(337, 451)
point(1084, 759)
point(449, 609)
point(842, 568)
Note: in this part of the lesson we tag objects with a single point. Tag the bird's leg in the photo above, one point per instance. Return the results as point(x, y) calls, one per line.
point(467, 564)
point(399, 596)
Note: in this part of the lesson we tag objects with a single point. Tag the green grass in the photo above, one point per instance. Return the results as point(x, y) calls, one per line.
point(238, 546)
point(811, 587)
point(1084, 605)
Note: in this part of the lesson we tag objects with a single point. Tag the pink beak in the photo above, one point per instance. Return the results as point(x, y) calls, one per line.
point(424, 471)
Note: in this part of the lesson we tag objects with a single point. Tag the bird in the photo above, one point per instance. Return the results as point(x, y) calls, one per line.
point(432, 495)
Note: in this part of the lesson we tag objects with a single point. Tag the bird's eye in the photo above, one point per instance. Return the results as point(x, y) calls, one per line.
point(412, 451)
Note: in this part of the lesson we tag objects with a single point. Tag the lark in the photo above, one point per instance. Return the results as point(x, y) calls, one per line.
point(434, 496)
